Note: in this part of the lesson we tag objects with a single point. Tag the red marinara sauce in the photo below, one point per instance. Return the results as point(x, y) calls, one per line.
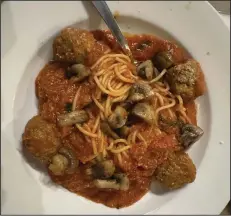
point(54, 91)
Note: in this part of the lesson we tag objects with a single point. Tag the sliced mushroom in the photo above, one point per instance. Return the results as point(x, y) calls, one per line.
point(144, 111)
point(126, 105)
point(108, 131)
point(190, 134)
point(64, 162)
point(99, 157)
point(73, 162)
point(121, 182)
point(75, 117)
point(124, 131)
point(145, 70)
point(78, 72)
point(118, 118)
point(58, 164)
point(140, 91)
point(163, 60)
point(101, 170)
point(156, 72)
point(107, 184)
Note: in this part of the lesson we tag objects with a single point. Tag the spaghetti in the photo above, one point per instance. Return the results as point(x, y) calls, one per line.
point(114, 75)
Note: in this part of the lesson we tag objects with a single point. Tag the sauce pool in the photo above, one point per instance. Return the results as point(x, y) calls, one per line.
point(54, 91)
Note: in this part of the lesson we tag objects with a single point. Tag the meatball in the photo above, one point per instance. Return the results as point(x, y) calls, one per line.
point(73, 45)
point(186, 80)
point(176, 171)
point(41, 139)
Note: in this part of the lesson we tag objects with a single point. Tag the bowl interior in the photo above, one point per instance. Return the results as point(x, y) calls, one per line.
point(25, 106)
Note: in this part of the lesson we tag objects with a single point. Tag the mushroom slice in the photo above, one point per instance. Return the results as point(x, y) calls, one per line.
point(163, 60)
point(140, 91)
point(75, 117)
point(101, 170)
point(99, 157)
point(144, 111)
point(145, 70)
point(78, 72)
point(190, 134)
point(107, 184)
point(126, 105)
point(73, 162)
point(64, 162)
point(124, 131)
point(118, 118)
point(123, 180)
point(58, 164)
point(120, 182)
point(107, 130)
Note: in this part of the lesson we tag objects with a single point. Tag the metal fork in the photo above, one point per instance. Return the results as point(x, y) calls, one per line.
point(107, 16)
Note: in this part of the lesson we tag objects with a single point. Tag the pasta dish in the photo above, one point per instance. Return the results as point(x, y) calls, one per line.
point(107, 128)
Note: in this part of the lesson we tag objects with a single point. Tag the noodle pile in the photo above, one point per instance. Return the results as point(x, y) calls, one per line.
point(113, 75)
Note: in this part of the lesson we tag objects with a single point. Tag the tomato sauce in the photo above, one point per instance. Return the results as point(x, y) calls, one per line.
point(144, 47)
point(54, 91)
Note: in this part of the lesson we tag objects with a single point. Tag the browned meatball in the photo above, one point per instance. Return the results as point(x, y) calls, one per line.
point(73, 45)
point(176, 171)
point(186, 80)
point(41, 138)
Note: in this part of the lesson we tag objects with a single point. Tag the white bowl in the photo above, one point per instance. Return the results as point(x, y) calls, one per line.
point(27, 31)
